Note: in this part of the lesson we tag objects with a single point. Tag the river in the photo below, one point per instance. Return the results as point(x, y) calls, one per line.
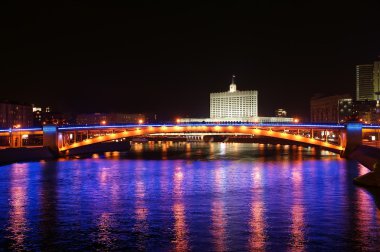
point(189, 196)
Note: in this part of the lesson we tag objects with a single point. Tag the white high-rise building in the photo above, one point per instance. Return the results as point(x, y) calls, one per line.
point(234, 103)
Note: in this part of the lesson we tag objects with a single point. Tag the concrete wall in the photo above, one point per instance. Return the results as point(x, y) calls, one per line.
point(98, 147)
point(12, 155)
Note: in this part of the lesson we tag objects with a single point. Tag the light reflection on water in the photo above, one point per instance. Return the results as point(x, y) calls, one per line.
point(18, 223)
point(297, 212)
point(257, 223)
point(218, 217)
point(180, 226)
point(181, 196)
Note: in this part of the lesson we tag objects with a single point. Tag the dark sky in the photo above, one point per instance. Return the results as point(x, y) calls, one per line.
point(166, 58)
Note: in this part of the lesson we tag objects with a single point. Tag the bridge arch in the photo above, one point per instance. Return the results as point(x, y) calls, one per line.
point(183, 129)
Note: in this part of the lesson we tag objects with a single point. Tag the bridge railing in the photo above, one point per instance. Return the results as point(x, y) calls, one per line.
point(24, 136)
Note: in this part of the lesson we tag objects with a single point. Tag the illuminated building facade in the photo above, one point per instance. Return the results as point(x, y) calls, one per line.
point(280, 113)
point(37, 116)
point(368, 82)
point(57, 118)
point(259, 119)
point(366, 111)
point(325, 109)
point(234, 103)
point(364, 82)
point(376, 81)
point(346, 110)
point(45, 116)
point(109, 118)
point(235, 106)
point(15, 115)
point(363, 111)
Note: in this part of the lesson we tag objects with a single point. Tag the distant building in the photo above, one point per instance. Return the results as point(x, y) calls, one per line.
point(45, 115)
point(368, 82)
point(109, 118)
point(376, 81)
point(236, 119)
point(235, 106)
point(325, 109)
point(351, 110)
point(365, 111)
point(280, 113)
point(364, 82)
point(37, 116)
point(346, 110)
point(234, 103)
point(57, 118)
point(15, 115)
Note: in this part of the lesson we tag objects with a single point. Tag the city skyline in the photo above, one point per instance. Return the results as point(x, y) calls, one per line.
point(184, 126)
point(145, 57)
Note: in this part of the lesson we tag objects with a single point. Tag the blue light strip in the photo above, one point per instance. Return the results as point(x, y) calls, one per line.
point(26, 129)
point(110, 126)
point(287, 125)
point(366, 126)
point(17, 130)
point(254, 125)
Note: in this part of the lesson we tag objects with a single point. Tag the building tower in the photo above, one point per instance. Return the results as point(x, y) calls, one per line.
point(233, 85)
point(376, 81)
point(364, 82)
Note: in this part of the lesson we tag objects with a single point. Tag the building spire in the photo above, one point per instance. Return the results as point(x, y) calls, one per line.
point(233, 85)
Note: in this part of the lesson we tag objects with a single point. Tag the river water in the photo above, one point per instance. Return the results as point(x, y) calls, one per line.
point(182, 196)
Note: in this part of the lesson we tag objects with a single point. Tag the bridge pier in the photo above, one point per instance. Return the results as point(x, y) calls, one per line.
point(366, 155)
point(371, 178)
point(351, 138)
point(50, 138)
point(15, 140)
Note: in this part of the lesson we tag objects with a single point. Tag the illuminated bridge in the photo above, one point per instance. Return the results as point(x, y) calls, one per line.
point(333, 137)
point(347, 140)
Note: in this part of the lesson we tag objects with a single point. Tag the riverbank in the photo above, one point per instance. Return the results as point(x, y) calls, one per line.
point(12, 155)
point(369, 157)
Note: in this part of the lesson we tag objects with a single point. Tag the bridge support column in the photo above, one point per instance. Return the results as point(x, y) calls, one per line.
point(371, 178)
point(352, 138)
point(366, 155)
point(15, 140)
point(50, 138)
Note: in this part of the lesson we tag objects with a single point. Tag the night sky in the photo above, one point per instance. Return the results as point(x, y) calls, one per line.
point(165, 58)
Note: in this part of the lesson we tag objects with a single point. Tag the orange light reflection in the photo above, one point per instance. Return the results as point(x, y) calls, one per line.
point(141, 213)
point(105, 234)
point(297, 212)
point(18, 226)
point(257, 222)
point(218, 213)
point(180, 226)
